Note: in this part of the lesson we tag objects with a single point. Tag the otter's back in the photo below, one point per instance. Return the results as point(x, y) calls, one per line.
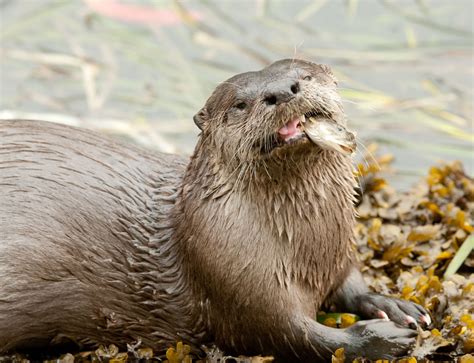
point(75, 207)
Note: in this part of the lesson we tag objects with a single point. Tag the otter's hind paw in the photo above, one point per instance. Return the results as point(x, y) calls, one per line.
point(403, 312)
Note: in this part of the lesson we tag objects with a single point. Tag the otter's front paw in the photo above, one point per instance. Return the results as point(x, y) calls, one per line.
point(403, 312)
point(378, 339)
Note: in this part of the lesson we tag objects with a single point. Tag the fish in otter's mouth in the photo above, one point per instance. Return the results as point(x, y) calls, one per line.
point(317, 128)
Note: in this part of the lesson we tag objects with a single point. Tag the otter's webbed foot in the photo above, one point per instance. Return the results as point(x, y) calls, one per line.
point(374, 339)
point(378, 339)
point(406, 313)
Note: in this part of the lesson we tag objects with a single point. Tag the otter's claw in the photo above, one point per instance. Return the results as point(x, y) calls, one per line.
point(403, 312)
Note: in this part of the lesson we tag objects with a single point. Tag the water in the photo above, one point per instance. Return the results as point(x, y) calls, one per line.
point(405, 67)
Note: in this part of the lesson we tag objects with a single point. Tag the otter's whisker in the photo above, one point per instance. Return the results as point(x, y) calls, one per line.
point(369, 153)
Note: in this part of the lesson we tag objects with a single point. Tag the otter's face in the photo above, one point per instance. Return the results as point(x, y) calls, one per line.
point(257, 115)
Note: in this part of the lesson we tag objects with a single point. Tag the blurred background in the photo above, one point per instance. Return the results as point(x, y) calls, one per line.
point(141, 69)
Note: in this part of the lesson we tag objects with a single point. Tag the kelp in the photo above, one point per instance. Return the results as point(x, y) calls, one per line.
point(406, 242)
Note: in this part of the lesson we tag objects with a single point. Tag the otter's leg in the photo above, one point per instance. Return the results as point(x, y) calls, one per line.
point(354, 296)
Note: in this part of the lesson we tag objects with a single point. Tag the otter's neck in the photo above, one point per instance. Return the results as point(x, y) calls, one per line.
point(303, 212)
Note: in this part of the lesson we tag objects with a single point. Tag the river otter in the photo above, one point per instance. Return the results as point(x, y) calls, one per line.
point(103, 242)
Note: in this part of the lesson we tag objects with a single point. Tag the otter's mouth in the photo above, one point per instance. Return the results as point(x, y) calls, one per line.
point(292, 132)
point(315, 127)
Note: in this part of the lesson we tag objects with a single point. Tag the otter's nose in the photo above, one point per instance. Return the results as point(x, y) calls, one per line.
point(281, 92)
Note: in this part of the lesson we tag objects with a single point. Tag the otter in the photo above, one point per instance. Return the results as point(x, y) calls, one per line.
point(241, 245)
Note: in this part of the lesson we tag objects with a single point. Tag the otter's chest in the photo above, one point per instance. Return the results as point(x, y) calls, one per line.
point(312, 234)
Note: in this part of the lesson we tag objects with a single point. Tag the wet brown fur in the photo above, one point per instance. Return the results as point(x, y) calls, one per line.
point(103, 242)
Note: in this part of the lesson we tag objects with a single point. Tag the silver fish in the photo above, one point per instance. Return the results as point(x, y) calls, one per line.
point(328, 134)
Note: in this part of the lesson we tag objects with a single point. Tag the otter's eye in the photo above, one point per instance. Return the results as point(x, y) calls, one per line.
point(307, 78)
point(240, 105)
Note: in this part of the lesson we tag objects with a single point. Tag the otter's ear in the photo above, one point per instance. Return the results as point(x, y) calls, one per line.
point(326, 68)
point(328, 71)
point(200, 119)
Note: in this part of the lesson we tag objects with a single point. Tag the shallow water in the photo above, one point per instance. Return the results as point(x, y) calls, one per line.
point(142, 71)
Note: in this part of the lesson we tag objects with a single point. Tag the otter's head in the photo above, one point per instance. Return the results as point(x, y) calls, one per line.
point(258, 116)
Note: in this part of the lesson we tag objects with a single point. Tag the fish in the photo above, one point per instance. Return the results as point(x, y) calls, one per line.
point(330, 135)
